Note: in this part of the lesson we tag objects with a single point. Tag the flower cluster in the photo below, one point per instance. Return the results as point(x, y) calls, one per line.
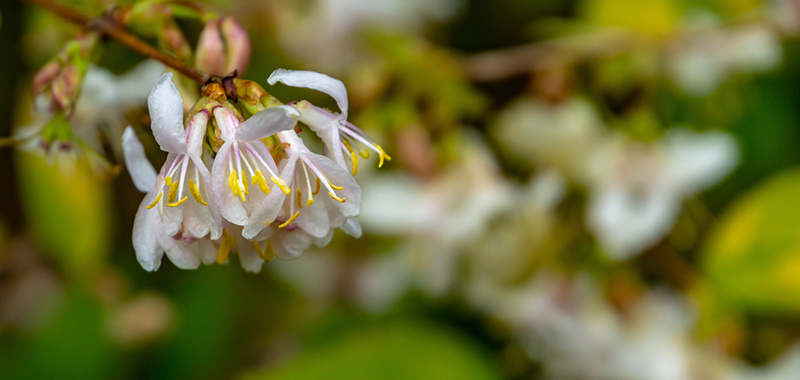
point(234, 184)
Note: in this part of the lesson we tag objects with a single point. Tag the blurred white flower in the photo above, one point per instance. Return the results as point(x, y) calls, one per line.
point(106, 98)
point(567, 326)
point(636, 190)
point(440, 218)
point(326, 33)
point(699, 63)
point(534, 132)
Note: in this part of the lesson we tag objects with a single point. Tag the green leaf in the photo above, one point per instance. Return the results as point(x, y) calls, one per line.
point(67, 209)
point(752, 256)
point(397, 351)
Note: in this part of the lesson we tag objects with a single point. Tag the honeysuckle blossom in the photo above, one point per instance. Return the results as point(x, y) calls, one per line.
point(150, 241)
point(243, 160)
point(308, 174)
point(637, 190)
point(181, 194)
point(343, 140)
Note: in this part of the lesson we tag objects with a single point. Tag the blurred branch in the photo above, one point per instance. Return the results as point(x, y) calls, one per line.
point(503, 63)
point(108, 27)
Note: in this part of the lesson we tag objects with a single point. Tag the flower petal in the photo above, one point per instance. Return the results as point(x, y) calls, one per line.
point(184, 256)
point(267, 122)
point(289, 245)
point(326, 126)
point(269, 208)
point(146, 227)
point(229, 205)
point(340, 177)
point(248, 257)
point(315, 81)
point(352, 227)
point(314, 220)
point(141, 170)
point(166, 115)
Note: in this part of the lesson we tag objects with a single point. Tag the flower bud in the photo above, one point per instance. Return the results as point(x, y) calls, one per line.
point(223, 47)
point(237, 45)
point(59, 81)
point(209, 56)
point(172, 40)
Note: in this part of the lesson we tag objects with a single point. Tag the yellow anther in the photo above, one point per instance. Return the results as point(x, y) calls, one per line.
point(232, 183)
point(355, 163)
point(196, 193)
point(236, 186)
point(262, 183)
point(288, 222)
point(364, 153)
point(316, 190)
point(335, 187)
point(310, 202)
point(225, 248)
point(382, 156)
point(279, 181)
point(178, 203)
point(173, 189)
point(155, 201)
point(246, 187)
point(335, 197)
point(299, 195)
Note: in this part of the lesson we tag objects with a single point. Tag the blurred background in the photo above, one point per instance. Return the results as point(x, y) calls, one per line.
point(582, 189)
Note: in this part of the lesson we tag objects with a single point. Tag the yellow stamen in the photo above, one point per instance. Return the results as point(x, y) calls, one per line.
point(232, 183)
point(310, 202)
point(347, 145)
point(279, 181)
point(236, 186)
point(258, 250)
point(155, 201)
point(335, 187)
point(225, 248)
point(355, 163)
point(335, 197)
point(173, 189)
point(196, 193)
point(382, 156)
point(364, 153)
point(262, 183)
point(178, 203)
point(316, 191)
point(246, 187)
point(288, 222)
point(299, 195)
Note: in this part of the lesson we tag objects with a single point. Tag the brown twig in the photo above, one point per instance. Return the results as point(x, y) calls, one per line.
point(107, 27)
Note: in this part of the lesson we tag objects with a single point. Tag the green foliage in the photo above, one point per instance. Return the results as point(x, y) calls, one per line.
point(395, 351)
point(753, 254)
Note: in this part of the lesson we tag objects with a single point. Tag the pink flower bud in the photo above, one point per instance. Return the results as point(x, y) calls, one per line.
point(210, 48)
point(237, 45)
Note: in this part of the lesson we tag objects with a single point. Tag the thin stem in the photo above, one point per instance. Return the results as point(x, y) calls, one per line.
point(104, 26)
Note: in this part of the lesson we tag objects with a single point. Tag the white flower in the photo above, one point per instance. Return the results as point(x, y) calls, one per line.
point(637, 190)
point(150, 240)
point(342, 139)
point(308, 174)
point(243, 160)
point(181, 194)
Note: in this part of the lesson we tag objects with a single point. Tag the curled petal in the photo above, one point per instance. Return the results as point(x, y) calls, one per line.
point(289, 245)
point(142, 172)
point(315, 81)
point(352, 227)
point(166, 113)
point(267, 123)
